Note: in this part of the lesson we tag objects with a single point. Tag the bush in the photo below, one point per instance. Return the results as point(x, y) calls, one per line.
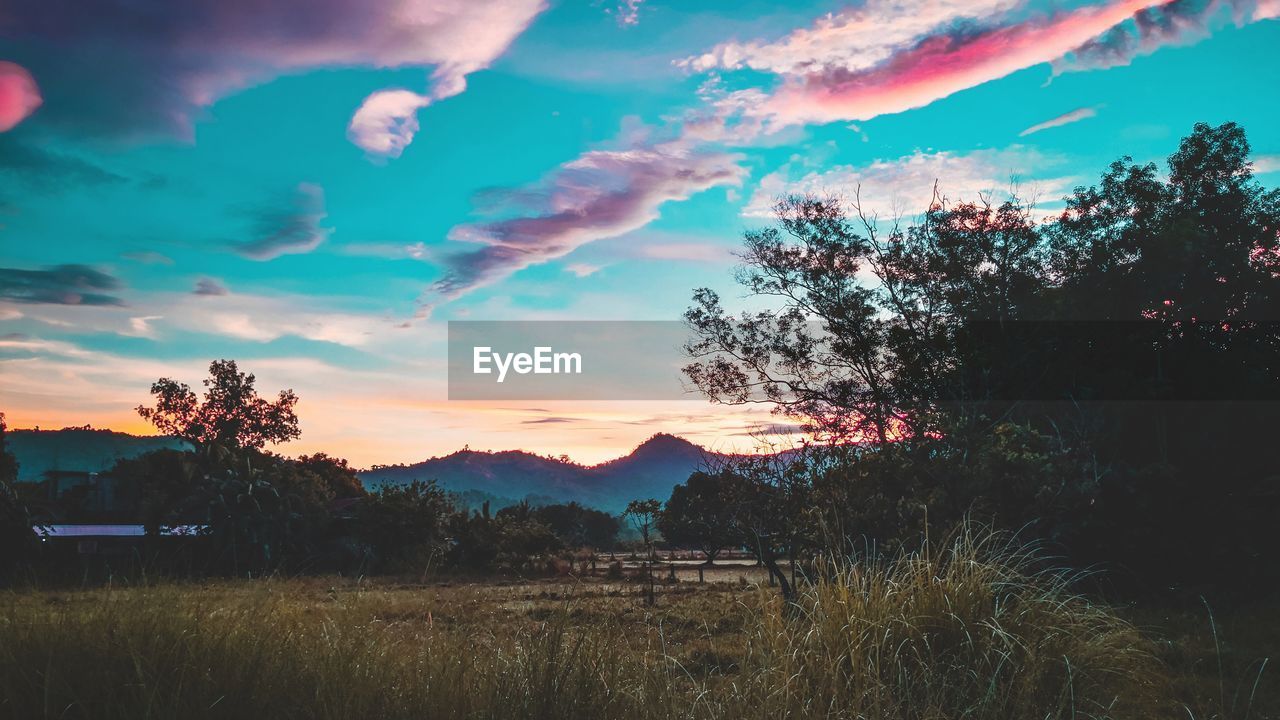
point(969, 629)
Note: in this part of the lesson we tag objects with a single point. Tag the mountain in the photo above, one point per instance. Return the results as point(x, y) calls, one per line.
point(78, 449)
point(651, 470)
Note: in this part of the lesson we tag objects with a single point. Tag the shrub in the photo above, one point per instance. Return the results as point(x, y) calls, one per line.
point(970, 629)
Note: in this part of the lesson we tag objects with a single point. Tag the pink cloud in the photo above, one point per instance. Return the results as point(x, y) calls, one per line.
point(941, 65)
point(601, 194)
point(627, 12)
point(19, 95)
point(855, 38)
point(892, 56)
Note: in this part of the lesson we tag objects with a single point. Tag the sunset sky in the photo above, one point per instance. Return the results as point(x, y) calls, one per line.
point(314, 188)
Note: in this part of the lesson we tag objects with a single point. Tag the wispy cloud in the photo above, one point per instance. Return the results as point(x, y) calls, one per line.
point(583, 269)
point(296, 230)
point(148, 257)
point(627, 12)
point(209, 287)
point(1173, 22)
point(128, 68)
point(904, 186)
point(142, 327)
point(857, 38)
point(1064, 119)
point(59, 285)
point(601, 194)
point(889, 56)
point(1266, 164)
point(46, 170)
point(556, 420)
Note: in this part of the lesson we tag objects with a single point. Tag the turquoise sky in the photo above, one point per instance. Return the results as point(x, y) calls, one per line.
point(179, 184)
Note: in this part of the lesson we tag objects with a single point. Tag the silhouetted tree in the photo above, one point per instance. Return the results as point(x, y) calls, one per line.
point(699, 514)
point(232, 414)
point(335, 473)
point(168, 487)
point(406, 525)
point(17, 531)
point(579, 526)
point(644, 515)
point(1107, 379)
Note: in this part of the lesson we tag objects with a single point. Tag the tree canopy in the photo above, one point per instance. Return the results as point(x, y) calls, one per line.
point(1107, 376)
point(231, 413)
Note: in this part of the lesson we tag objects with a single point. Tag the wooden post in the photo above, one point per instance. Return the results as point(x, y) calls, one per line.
point(700, 580)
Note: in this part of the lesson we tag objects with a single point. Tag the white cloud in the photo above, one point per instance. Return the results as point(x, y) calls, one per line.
point(583, 269)
point(1263, 164)
point(1064, 119)
point(904, 187)
point(142, 327)
point(387, 121)
point(853, 39)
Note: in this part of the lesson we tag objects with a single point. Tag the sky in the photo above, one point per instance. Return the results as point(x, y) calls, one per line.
point(315, 188)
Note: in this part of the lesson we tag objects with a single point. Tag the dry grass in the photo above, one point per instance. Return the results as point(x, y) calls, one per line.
point(968, 631)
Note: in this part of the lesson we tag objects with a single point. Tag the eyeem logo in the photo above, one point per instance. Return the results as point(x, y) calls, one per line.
point(537, 360)
point(542, 362)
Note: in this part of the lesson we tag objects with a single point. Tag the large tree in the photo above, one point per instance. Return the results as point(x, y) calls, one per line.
point(699, 514)
point(231, 413)
point(17, 532)
point(1116, 357)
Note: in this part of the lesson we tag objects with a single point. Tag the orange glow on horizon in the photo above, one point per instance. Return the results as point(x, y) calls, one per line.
point(400, 431)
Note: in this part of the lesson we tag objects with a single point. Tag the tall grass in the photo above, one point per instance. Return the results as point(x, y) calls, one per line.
point(965, 631)
point(163, 653)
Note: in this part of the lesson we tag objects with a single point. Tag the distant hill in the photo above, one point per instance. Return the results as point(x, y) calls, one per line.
point(503, 478)
point(78, 449)
point(651, 470)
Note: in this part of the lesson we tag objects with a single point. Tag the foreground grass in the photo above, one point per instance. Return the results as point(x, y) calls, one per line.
point(968, 631)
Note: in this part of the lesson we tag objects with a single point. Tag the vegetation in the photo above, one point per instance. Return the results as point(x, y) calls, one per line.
point(1081, 382)
point(967, 628)
point(17, 536)
point(700, 515)
point(231, 414)
point(1105, 381)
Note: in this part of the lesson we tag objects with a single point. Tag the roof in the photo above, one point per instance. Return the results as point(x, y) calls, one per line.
point(114, 530)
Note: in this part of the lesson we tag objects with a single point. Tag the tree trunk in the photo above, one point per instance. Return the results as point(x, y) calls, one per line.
point(788, 590)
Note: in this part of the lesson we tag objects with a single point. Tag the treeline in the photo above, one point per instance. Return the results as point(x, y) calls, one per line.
point(230, 507)
point(1105, 381)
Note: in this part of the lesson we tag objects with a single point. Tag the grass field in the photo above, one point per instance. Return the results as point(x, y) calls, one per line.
point(958, 635)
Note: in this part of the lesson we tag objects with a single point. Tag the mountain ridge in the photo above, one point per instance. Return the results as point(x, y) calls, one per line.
point(651, 469)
